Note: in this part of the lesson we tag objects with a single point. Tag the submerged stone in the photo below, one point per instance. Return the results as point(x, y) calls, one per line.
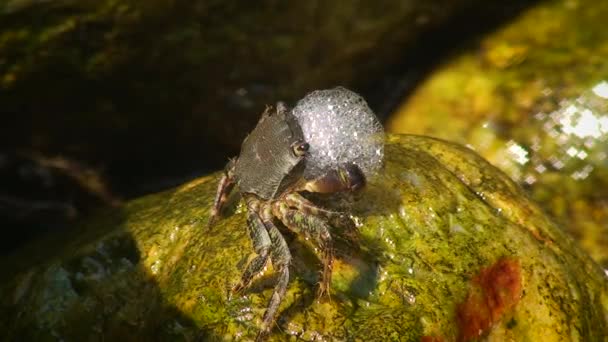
point(449, 249)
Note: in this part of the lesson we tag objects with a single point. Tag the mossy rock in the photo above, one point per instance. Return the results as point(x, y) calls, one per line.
point(449, 249)
point(531, 98)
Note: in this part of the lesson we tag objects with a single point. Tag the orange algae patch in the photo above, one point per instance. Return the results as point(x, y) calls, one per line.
point(495, 290)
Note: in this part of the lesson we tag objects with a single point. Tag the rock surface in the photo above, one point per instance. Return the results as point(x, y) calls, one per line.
point(532, 98)
point(450, 249)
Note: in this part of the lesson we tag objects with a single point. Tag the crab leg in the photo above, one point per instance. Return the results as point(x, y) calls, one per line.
point(315, 228)
point(261, 245)
point(281, 258)
point(295, 200)
point(224, 188)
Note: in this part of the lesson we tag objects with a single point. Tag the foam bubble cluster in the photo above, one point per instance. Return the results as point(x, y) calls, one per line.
point(340, 128)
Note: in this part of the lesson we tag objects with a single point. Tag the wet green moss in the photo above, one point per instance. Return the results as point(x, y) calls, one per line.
point(435, 217)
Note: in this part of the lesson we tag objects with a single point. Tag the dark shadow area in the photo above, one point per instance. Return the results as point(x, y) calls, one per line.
point(88, 285)
point(44, 196)
point(116, 102)
point(56, 244)
point(434, 46)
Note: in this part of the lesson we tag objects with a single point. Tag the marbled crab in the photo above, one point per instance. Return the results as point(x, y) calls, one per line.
point(272, 174)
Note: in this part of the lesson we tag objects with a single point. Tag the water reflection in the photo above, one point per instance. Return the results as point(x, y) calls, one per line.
point(571, 139)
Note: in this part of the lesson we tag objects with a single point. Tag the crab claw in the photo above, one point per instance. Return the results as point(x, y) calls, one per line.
point(347, 177)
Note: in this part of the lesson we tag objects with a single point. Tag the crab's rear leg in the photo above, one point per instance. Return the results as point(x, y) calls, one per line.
point(224, 188)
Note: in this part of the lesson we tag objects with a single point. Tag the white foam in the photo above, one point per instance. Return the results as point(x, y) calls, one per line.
point(340, 128)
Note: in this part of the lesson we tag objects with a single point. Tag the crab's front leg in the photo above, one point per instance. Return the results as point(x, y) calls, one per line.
point(281, 259)
point(335, 218)
point(307, 224)
point(345, 178)
point(267, 242)
point(304, 217)
point(224, 188)
point(261, 244)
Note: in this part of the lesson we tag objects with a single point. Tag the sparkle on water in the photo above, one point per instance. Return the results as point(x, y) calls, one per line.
point(601, 89)
point(578, 129)
point(340, 128)
point(517, 152)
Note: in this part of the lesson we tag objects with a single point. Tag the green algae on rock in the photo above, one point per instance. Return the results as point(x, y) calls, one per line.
point(441, 231)
point(532, 99)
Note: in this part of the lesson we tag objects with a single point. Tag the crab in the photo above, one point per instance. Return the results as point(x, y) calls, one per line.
point(269, 174)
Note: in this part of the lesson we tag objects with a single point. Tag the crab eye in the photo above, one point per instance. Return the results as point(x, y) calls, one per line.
point(300, 148)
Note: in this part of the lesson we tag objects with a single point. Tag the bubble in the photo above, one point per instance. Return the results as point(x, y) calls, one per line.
point(340, 128)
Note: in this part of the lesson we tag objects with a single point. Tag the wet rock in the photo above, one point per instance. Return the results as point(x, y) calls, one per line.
point(450, 248)
point(532, 98)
